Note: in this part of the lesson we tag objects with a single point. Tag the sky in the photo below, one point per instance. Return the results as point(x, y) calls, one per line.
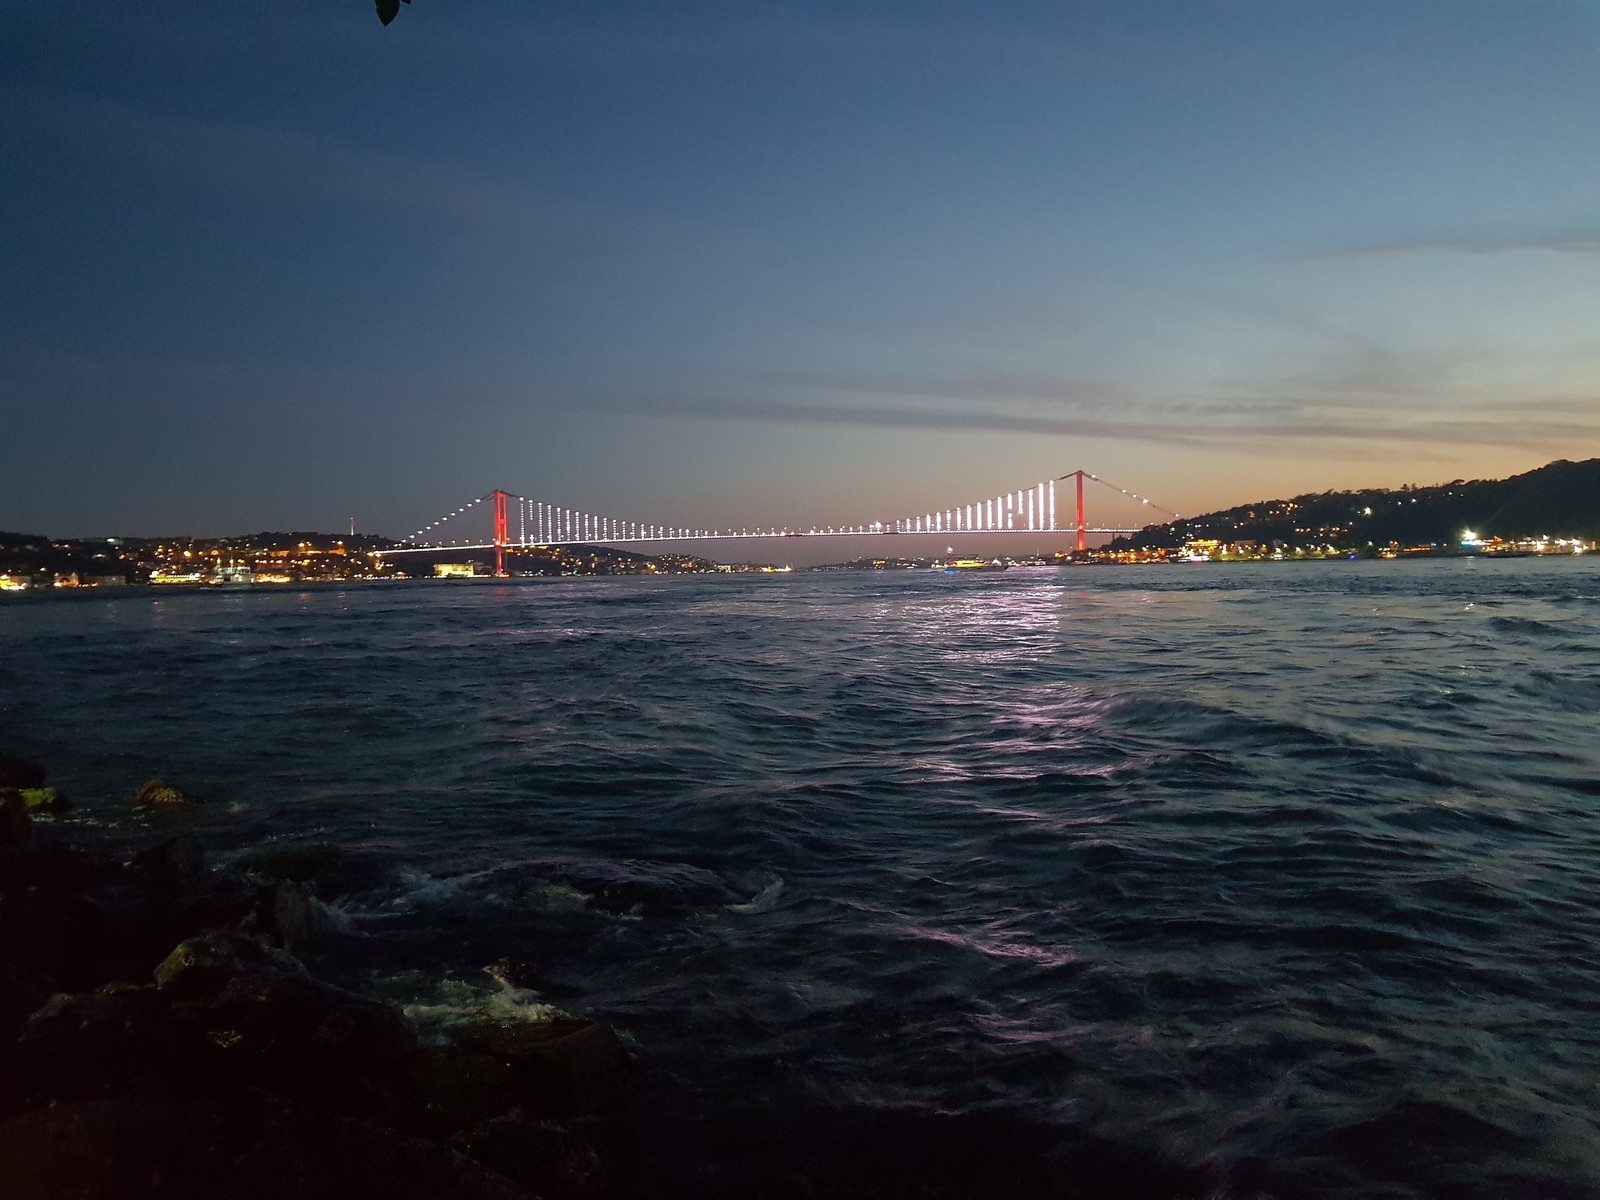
point(267, 264)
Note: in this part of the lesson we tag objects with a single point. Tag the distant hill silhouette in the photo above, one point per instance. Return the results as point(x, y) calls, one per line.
point(1561, 500)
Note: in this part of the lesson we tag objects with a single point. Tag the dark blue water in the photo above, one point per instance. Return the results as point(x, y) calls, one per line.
point(1283, 876)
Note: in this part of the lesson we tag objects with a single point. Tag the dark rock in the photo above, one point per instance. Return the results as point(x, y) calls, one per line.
point(90, 1045)
point(15, 825)
point(249, 1012)
point(178, 889)
point(67, 937)
point(250, 1146)
point(20, 773)
point(165, 894)
point(174, 862)
point(567, 1064)
point(312, 1042)
point(161, 794)
point(204, 965)
point(288, 913)
point(94, 1151)
point(55, 868)
point(455, 1088)
point(23, 990)
point(544, 1157)
point(328, 871)
point(87, 920)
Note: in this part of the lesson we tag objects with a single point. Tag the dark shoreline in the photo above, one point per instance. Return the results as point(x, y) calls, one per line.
point(158, 1037)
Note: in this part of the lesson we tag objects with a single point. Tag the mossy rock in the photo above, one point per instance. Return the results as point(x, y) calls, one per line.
point(44, 800)
point(159, 793)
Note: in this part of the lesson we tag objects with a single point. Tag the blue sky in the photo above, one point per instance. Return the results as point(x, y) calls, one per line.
point(268, 265)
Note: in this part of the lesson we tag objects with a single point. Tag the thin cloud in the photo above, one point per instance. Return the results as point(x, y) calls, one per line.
point(1299, 422)
point(881, 416)
point(1565, 243)
point(1035, 391)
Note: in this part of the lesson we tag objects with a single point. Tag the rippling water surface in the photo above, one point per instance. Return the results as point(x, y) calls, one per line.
point(1264, 879)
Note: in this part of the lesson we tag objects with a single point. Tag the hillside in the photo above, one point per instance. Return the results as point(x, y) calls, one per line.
point(1561, 499)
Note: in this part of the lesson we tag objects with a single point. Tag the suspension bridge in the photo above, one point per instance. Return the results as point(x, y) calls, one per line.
point(520, 522)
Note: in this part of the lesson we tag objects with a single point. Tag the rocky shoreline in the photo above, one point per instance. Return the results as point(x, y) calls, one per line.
point(159, 1038)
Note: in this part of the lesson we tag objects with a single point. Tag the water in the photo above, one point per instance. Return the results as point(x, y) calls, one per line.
point(1259, 879)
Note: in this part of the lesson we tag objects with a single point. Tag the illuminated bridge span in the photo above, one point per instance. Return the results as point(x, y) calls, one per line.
point(519, 522)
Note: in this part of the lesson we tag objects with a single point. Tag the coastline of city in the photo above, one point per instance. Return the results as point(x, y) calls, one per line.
point(1553, 510)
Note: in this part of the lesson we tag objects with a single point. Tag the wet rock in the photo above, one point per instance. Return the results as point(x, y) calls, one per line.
point(88, 920)
point(631, 887)
point(303, 1039)
point(203, 965)
point(288, 914)
point(250, 1146)
point(542, 1156)
point(567, 1064)
point(328, 871)
point(161, 794)
point(15, 825)
point(20, 773)
point(245, 1011)
point(172, 862)
point(46, 920)
point(164, 895)
point(52, 866)
point(179, 887)
point(455, 1088)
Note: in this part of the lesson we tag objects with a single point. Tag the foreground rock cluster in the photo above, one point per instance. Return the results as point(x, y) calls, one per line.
point(158, 1039)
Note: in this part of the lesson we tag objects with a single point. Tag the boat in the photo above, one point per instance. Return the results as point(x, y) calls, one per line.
point(960, 565)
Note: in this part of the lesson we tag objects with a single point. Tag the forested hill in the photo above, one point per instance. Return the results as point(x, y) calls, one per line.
point(1561, 500)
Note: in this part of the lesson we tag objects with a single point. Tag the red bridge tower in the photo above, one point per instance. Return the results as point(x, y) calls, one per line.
point(500, 538)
